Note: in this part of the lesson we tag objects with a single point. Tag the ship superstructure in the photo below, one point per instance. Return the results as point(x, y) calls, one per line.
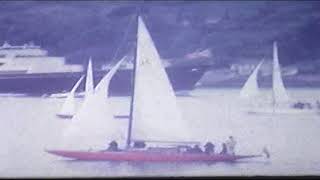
point(30, 58)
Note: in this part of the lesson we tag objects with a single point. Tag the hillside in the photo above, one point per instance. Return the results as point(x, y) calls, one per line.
point(230, 30)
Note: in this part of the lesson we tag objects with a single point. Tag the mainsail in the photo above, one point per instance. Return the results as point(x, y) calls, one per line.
point(89, 88)
point(68, 108)
point(251, 88)
point(94, 126)
point(155, 114)
point(279, 92)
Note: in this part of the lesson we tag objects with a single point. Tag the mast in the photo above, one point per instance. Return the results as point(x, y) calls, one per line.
point(273, 102)
point(275, 55)
point(132, 88)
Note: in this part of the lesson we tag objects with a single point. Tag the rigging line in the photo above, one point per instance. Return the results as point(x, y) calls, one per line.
point(124, 38)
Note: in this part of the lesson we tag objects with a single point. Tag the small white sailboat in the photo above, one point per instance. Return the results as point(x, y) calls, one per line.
point(279, 94)
point(154, 118)
point(68, 108)
point(250, 89)
point(89, 84)
point(93, 124)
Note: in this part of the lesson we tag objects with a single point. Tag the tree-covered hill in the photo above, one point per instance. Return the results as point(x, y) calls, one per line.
point(232, 30)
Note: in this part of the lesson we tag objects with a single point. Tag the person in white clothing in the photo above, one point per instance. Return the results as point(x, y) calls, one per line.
point(231, 143)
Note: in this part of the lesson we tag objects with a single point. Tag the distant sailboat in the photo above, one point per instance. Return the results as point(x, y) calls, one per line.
point(93, 124)
point(279, 94)
point(68, 108)
point(89, 84)
point(154, 117)
point(251, 87)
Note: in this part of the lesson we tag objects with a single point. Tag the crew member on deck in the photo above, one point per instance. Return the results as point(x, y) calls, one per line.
point(231, 143)
point(209, 148)
point(139, 144)
point(224, 149)
point(298, 105)
point(113, 146)
point(195, 149)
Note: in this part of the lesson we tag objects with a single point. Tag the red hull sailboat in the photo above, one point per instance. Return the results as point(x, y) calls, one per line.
point(154, 114)
point(149, 156)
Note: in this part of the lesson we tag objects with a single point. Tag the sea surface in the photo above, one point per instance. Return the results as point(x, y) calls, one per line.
point(29, 125)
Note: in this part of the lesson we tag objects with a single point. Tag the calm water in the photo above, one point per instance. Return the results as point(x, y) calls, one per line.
point(29, 126)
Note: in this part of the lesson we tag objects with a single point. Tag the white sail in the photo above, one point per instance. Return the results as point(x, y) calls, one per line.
point(89, 88)
point(94, 126)
point(279, 92)
point(68, 108)
point(155, 112)
point(251, 88)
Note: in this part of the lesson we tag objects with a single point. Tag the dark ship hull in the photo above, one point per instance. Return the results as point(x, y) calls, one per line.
point(38, 84)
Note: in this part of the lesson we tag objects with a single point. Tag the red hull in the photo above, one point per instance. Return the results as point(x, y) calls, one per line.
point(144, 156)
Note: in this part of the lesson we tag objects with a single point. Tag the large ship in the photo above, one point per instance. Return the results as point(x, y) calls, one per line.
point(28, 70)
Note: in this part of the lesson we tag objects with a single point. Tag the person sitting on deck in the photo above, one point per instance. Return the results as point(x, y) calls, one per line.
point(139, 144)
point(224, 149)
point(113, 146)
point(209, 148)
point(195, 149)
point(298, 105)
point(231, 143)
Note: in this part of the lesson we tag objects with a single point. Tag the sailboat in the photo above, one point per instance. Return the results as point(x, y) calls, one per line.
point(93, 124)
point(89, 84)
point(280, 100)
point(68, 108)
point(250, 89)
point(154, 118)
point(279, 93)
